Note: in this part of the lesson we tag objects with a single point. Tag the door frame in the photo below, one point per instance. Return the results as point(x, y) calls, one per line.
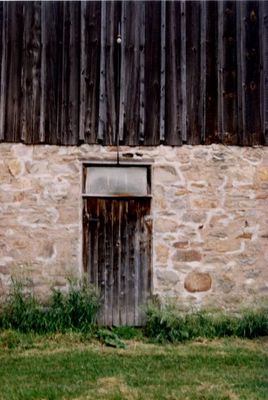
point(85, 196)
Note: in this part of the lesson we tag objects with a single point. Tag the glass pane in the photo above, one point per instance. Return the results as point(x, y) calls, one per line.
point(117, 181)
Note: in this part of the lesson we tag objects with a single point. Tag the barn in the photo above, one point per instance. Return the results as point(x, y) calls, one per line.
point(133, 149)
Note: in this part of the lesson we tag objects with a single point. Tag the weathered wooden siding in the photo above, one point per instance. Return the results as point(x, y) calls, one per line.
point(185, 72)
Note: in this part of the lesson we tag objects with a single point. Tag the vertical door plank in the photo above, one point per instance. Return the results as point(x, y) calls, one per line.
point(173, 98)
point(93, 232)
point(109, 257)
point(145, 256)
point(192, 71)
point(117, 218)
point(131, 272)
point(124, 267)
point(137, 265)
point(31, 73)
point(86, 241)
point(102, 260)
point(3, 68)
point(89, 70)
point(152, 72)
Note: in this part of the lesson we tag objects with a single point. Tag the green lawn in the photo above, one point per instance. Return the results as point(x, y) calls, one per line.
point(66, 367)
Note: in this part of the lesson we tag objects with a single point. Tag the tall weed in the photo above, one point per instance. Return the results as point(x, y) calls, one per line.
point(166, 324)
point(75, 309)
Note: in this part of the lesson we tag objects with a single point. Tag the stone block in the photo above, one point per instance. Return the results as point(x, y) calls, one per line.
point(165, 225)
point(187, 256)
point(15, 167)
point(162, 253)
point(165, 174)
point(197, 282)
point(181, 244)
point(262, 173)
point(167, 276)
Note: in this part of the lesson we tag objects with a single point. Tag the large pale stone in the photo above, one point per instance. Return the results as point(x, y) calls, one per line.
point(165, 173)
point(162, 252)
point(165, 225)
point(262, 173)
point(167, 276)
point(197, 282)
point(15, 167)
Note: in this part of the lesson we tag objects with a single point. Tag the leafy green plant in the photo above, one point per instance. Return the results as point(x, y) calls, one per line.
point(128, 332)
point(110, 338)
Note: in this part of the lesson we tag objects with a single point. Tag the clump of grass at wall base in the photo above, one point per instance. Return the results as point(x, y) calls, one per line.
point(77, 308)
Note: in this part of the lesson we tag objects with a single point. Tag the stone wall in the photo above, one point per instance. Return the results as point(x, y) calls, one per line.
point(210, 219)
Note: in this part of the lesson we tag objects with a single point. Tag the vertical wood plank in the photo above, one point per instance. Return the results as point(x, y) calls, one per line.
point(252, 74)
point(102, 260)
point(113, 17)
point(102, 98)
point(229, 75)
point(152, 72)
point(3, 69)
point(89, 70)
point(183, 72)
point(123, 70)
point(264, 85)
point(42, 126)
point(212, 73)
point(137, 265)
point(220, 60)
point(240, 21)
point(31, 73)
point(193, 71)
point(14, 44)
point(51, 71)
point(124, 267)
point(109, 250)
point(145, 258)
point(70, 73)
point(132, 218)
point(203, 70)
point(142, 72)
point(163, 71)
point(173, 98)
point(132, 79)
point(117, 218)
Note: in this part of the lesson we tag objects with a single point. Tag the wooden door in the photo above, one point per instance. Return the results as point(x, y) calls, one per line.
point(117, 256)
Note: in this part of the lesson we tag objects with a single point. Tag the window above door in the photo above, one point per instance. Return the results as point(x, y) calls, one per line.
point(112, 180)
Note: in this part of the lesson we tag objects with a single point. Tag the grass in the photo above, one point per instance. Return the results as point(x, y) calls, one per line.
point(68, 366)
point(165, 323)
point(74, 309)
